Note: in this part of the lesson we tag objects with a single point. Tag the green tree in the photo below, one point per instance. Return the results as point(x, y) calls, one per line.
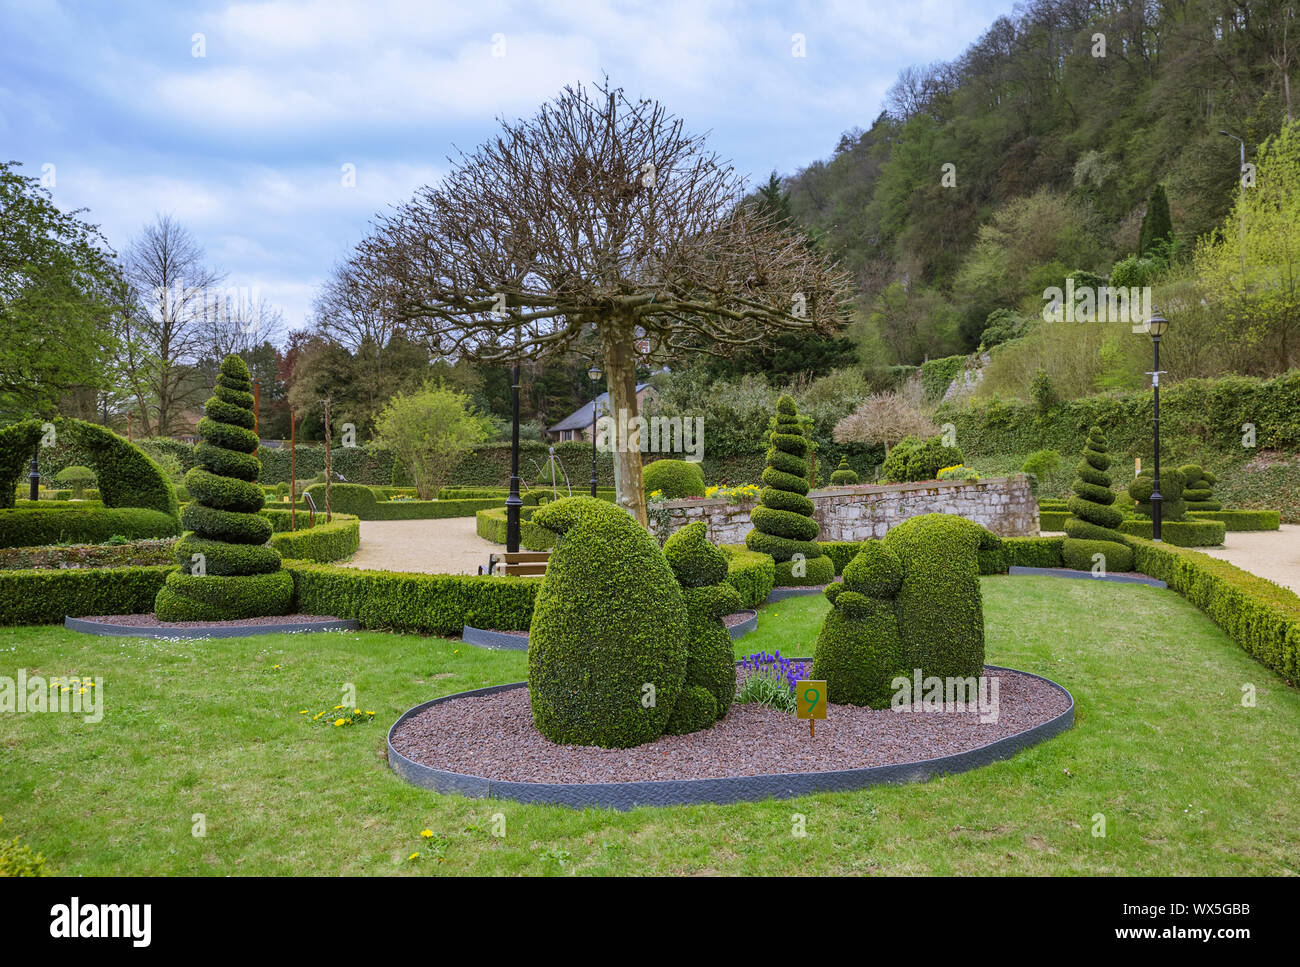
point(1157, 227)
point(429, 432)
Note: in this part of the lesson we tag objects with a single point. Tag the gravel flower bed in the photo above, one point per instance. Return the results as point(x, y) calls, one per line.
point(493, 736)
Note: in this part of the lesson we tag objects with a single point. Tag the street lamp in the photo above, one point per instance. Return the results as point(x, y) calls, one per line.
point(514, 501)
point(594, 375)
point(1242, 179)
point(1157, 325)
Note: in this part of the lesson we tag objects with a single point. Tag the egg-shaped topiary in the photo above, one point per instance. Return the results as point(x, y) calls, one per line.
point(860, 650)
point(609, 638)
point(843, 475)
point(673, 479)
point(784, 526)
point(227, 569)
point(710, 686)
point(1094, 518)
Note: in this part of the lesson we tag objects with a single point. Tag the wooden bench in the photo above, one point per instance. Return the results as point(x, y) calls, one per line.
point(525, 562)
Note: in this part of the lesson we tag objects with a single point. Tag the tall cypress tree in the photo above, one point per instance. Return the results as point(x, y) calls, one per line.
point(227, 569)
point(1156, 223)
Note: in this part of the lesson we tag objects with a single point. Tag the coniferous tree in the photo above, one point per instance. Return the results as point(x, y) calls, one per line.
point(1156, 224)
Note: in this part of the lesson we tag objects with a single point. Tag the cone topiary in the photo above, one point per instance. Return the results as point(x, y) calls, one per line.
point(1094, 519)
point(784, 527)
point(1197, 488)
point(843, 475)
point(710, 684)
point(1172, 484)
point(860, 650)
point(608, 643)
point(227, 571)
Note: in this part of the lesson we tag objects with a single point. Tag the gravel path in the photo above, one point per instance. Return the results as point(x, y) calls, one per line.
point(494, 736)
point(1274, 555)
point(449, 546)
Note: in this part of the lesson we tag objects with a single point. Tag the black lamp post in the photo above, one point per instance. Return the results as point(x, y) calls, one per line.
point(594, 375)
point(34, 477)
point(514, 501)
point(1157, 325)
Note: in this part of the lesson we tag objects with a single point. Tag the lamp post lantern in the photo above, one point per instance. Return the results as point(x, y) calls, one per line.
point(594, 375)
point(1157, 325)
point(514, 501)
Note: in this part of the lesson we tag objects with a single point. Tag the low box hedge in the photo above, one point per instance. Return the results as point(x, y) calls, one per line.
point(1260, 616)
point(752, 574)
point(44, 597)
point(361, 501)
point(35, 525)
point(1022, 552)
point(1052, 520)
point(1241, 520)
point(335, 541)
point(491, 526)
point(840, 552)
point(1183, 533)
point(430, 604)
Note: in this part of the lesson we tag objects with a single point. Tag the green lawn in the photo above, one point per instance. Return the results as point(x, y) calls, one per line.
point(1188, 780)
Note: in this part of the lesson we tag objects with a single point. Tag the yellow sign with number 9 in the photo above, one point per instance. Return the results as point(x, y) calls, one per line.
point(810, 698)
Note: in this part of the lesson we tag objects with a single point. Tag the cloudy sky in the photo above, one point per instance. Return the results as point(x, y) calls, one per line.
point(239, 118)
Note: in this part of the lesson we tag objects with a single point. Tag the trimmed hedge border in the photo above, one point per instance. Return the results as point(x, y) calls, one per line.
point(684, 792)
point(46, 597)
point(1052, 520)
point(491, 526)
point(361, 501)
point(1182, 533)
point(321, 544)
point(23, 527)
point(1260, 616)
point(1242, 520)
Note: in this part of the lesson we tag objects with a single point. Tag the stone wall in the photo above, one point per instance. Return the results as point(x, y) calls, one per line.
point(1004, 505)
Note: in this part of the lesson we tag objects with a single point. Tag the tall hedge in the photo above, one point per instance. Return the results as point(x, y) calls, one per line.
point(608, 644)
point(784, 526)
point(241, 575)
point(1092, 529)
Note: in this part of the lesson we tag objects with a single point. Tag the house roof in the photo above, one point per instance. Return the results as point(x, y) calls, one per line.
point(581, 418)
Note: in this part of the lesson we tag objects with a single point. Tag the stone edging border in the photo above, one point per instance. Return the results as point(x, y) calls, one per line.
point(683, 792)
point(485, 638)
point(1065, 572)
point(780, 594)
point(207, 631)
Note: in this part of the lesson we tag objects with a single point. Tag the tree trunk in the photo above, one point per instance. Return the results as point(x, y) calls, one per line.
point(620, 367)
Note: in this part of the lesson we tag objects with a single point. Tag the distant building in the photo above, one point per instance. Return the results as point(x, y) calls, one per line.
point(578, 424)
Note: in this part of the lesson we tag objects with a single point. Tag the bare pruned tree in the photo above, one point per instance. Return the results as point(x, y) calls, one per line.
point(171, 285)
point(599, 213)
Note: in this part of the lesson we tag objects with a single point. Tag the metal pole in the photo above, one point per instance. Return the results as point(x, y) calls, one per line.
point(1156, 498)
point(594, 396)
point(293, 476)
point(34, 478)
point(514, 502)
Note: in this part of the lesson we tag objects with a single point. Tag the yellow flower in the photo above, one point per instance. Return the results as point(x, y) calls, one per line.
point(413, 856)
point(302, 711)
point(337, 707)
point(427, 833)
point(370, 713)
point(340, 721)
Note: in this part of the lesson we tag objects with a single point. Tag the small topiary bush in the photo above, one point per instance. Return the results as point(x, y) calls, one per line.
point(860, 650)
point(784, 526)
point(940, 610)
point(674, 479)
point(79, 478)
point(1198, 483)
point(843, 476)
point(1094, 518)
point(710, 685)
point(1172, 483)
point(608, 645)
point(753, 575)
point(228, 572)
point(912, 459)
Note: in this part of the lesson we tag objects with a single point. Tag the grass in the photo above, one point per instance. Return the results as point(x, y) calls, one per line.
point(1189, 781)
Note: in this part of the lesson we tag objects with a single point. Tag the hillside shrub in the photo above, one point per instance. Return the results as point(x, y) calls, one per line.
point(609, 619)
point(913, 459)
point(937, 374)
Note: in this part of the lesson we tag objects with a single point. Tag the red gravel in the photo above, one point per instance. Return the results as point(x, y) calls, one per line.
point(149, 621)
point(493, 736)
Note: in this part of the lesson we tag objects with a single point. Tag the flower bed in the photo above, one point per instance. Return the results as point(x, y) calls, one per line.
point(140, 553)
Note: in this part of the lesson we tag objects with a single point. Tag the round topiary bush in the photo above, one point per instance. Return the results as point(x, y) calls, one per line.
point(710, 686)
point(608, 643)
point(1197, 488)
point(673, 479)
point(912, 459)
point(783, 521)
point(939, 606)
point(859, 650)
point(1094, 519)
point(843, 475)
point(227, 571)
point(1172, 484)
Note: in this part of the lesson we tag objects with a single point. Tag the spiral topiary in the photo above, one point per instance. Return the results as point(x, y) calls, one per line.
point(843, 475)
point(227, 571)
point(860, 650)
point(784, 527)
point(1094, 518)
point(1197, 488)
point(710, 687)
